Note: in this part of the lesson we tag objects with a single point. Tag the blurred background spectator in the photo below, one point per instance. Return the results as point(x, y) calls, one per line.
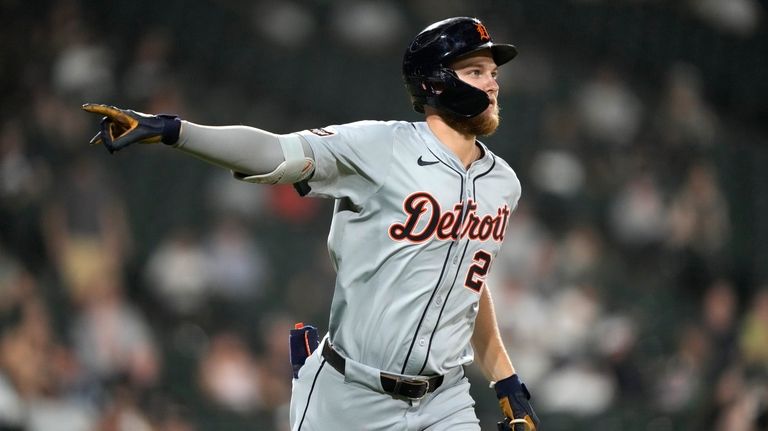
point(149, 291)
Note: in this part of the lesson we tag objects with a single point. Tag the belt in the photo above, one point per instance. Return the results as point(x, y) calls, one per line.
point(393, 384)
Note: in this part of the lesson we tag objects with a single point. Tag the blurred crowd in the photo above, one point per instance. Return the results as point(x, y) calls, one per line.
point(148, 291)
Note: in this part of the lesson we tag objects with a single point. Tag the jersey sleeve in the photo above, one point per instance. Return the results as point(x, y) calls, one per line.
point(351, 160)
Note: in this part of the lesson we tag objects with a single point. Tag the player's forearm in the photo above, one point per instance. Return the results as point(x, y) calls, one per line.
point(490, 353)
point(242, 149)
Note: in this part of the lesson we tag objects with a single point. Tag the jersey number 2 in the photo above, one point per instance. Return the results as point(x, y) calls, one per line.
point(477, 272)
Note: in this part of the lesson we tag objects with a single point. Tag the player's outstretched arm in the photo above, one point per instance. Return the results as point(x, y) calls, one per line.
point(252, 154)
point(494, 361)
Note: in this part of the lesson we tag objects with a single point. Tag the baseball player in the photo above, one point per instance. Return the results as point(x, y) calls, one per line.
point(421, 210)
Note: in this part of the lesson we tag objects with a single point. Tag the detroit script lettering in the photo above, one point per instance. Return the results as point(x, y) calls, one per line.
point(448, 225)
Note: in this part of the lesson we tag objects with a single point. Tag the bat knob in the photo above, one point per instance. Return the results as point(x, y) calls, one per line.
point(508, 425)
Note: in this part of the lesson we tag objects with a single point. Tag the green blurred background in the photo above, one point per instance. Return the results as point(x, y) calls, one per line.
point(148, 291)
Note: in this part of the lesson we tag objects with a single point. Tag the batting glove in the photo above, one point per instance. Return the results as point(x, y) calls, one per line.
point(123, 127)
point(513, 399)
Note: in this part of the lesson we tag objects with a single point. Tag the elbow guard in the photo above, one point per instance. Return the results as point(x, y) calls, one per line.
point(296, 166)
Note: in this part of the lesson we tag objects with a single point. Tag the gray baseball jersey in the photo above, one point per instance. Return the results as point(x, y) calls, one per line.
point(413, 237)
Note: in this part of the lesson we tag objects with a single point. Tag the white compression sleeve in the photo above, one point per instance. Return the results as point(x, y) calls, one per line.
point(252, 154)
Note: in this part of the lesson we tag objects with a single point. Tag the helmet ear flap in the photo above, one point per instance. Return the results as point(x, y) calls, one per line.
point(464, 100)
point(432, 86)
point(456, 96)
point(445, 91)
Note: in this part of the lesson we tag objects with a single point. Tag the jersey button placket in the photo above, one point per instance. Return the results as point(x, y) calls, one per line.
point(467, 183)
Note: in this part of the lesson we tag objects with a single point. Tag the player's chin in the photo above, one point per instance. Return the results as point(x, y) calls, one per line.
point(486, 123)
point(483, 124)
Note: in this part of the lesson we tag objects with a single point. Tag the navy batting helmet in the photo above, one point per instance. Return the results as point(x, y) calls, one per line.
point(427, 72)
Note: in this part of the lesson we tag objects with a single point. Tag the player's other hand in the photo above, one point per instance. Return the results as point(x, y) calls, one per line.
point(514, 402)
point(123, 127)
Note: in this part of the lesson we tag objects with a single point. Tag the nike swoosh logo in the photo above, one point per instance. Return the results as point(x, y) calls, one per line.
point(421, 162)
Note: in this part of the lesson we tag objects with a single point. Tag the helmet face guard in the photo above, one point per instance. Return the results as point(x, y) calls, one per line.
point(428, 76)
point(447, 92)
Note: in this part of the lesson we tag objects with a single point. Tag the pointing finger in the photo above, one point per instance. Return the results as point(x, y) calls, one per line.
point(98, 108)
point(112, 112)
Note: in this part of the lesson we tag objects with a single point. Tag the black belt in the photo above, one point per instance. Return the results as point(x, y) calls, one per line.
point(391, 383)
